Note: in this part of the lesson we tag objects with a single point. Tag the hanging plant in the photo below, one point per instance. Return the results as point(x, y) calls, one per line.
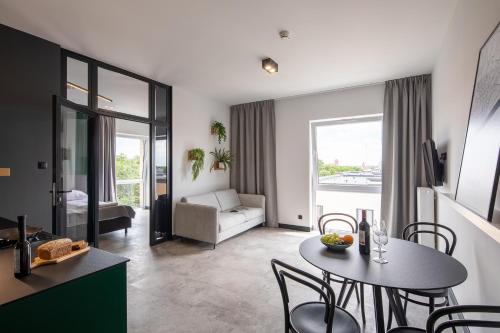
point(222, 159)
point(197, 156)
point(219, 129)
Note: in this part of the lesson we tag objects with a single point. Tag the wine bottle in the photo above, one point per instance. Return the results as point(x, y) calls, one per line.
point(364, 234)
point(22, 251)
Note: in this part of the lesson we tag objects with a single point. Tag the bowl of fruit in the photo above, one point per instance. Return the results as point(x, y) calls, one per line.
point(336, 242)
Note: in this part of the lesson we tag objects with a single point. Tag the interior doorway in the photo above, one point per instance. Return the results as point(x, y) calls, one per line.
point(346, 166)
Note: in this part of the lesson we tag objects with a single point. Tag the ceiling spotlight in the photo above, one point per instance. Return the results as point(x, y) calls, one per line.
point(284, 34)
point(269, 65)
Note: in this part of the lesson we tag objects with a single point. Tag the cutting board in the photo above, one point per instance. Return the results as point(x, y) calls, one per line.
point(42, 262)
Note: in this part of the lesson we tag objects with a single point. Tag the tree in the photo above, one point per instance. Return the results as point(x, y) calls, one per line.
point(128, 168)
point(332, 169)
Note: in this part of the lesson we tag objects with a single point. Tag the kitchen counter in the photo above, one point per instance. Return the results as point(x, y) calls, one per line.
point(45, 277)
point(86, 293)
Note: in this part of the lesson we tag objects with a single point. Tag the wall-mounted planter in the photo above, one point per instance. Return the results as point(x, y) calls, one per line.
point(218, 128)
point(197, 156)
point(218, 166)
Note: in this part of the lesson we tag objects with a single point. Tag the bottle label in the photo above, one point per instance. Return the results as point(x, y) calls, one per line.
point(362, 237)
point(17, 261)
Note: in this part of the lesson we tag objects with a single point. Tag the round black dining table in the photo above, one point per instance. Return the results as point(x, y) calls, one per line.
point(410, 266)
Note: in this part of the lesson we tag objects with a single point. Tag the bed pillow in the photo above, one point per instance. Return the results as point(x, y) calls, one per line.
point(76, 195)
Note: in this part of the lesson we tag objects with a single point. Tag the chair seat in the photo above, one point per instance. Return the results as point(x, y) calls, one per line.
point(405, 329)
point(435, 293)
point(309, 318)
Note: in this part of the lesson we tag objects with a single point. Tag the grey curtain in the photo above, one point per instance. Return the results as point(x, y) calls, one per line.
point(406, 125)
point(107, 165)
point(253, 144)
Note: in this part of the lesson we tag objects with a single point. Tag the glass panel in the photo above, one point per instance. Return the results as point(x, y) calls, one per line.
point(74, 156)
point(77, 88)
point(350, 153)
point(121, 93)
point(132, 164)
point(162, 219)
point(161, 103)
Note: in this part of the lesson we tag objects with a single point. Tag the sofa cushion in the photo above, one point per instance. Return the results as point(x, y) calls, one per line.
point(250, 212)
point(228, 199)
point(207, 199)
point(228, 220)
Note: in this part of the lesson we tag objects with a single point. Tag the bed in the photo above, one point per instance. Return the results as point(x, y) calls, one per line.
point(112, 216)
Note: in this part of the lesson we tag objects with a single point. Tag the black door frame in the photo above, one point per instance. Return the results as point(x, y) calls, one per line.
point(93, 66)
point(92, 178)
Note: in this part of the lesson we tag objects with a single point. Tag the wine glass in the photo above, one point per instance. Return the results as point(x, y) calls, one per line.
point(380, 238)
point(375, 226)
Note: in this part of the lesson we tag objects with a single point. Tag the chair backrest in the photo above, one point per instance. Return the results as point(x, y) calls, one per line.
point(283, 271)
point(450, 310)
point(337, 218)
point(411, 231)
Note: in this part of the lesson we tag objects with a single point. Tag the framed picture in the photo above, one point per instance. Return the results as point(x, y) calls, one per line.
point(478, 180)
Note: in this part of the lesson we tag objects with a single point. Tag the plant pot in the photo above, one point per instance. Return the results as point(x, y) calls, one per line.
point(213, 131)
point(219, 166)
point(190, 156)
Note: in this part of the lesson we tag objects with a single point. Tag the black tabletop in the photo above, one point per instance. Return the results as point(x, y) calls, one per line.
point(50, 276)
point(411, 266)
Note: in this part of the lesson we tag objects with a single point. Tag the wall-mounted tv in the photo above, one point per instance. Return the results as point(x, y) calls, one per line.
point(479, 172)
point(433, 167)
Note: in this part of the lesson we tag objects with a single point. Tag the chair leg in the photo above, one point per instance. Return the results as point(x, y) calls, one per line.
point(214, 247)
point(362, 296)
point(322, 287)
point(341, 294)
point(406, 302)
point(126, 231)
point(389, 319)
point(431, 305)
point(357, 292)
point(449, 314)
point(349, 293)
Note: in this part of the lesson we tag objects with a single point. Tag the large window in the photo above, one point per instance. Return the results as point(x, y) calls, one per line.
point(347, 161)
point(349, 154)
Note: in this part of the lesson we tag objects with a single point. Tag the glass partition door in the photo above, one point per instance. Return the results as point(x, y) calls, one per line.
point(73, 192)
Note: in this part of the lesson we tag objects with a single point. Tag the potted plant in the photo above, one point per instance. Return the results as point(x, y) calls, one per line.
point(219, 129)
point(222, 159)
point(196, 155)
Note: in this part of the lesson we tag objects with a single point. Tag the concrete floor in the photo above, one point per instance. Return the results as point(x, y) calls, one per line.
point(185, 286)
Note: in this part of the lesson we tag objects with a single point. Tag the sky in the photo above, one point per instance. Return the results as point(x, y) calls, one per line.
point(350, 143)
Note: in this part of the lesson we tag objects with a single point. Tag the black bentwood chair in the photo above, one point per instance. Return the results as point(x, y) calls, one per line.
point(341, 218)
point(411, 233)
point(312, 317)
point(453, 324)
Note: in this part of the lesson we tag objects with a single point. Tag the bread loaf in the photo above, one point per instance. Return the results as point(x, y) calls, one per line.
point(55, 249)
point(79, 245)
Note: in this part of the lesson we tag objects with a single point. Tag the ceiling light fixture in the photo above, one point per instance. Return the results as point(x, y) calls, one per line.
point(72, 85)
point(284, 34)
point(269, 65)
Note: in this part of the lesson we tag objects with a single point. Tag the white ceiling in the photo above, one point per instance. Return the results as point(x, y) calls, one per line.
point(214, 47)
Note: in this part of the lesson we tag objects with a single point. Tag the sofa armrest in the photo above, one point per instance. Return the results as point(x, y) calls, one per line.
point(253, 200)
point(197, 222)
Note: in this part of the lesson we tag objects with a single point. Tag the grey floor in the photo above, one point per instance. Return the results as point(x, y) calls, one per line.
point(185, 286)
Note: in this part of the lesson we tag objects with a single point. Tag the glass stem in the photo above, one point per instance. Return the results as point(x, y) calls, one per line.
point(380, 251)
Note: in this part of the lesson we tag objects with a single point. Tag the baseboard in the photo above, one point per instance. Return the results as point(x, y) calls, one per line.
point(453, 301)
point(294, 227)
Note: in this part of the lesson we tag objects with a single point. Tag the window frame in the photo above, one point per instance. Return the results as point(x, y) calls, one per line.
point(317, 186)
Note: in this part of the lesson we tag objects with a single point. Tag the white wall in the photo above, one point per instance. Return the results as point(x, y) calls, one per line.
point(192, 116)
point(293, 117)
point(453, 80)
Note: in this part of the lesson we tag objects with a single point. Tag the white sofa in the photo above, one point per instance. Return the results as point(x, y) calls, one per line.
point(216, 216)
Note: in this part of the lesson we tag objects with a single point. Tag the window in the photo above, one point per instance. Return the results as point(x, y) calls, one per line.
point(131, 161)
point(77, 87)
point(122, 93)
point(347, 161)
point(349, 154)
